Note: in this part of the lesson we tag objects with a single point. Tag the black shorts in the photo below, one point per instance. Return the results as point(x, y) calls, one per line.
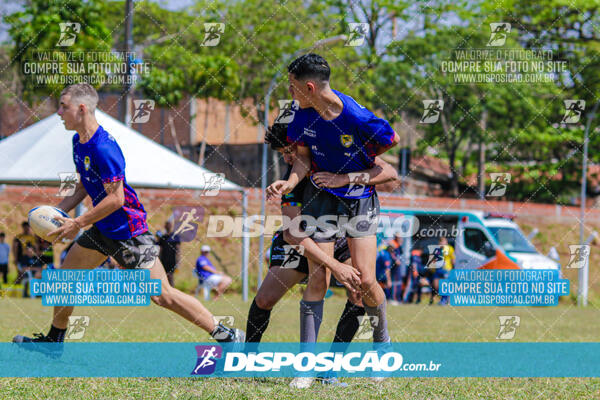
point(138, 252)
point(287, 256)
point(352, 218)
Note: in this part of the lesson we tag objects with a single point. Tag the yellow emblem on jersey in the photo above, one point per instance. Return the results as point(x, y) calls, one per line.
point(86, 162)
point(347, 140)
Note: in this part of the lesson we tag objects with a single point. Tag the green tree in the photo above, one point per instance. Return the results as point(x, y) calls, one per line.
point(176, 72)
point(473, 114)
point(569, 30)
point(35, 31)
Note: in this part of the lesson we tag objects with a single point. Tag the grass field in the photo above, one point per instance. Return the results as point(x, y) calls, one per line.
point(565, 323)
point(413, 323)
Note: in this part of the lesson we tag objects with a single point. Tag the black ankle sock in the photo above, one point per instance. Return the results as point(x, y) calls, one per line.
point(258, 320)
point(349, 323)
point(56, 334)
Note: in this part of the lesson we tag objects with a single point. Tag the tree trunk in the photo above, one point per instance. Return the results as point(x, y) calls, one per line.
point(162, 126)
point(454, 175)
point(174, 136)
point(481, 170)
point(203, 145)
point(481, 163)
point(450, 150)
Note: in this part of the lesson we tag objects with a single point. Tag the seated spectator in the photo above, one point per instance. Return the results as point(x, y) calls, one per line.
point(208, 275)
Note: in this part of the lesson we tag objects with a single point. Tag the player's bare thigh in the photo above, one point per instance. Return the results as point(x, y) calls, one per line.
point(80, 257)
point(363, 252)
point(157, 271)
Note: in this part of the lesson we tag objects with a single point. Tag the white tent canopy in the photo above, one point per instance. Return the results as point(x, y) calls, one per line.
point(38, 153)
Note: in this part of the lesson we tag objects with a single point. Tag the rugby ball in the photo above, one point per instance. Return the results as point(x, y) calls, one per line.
point(42, 220)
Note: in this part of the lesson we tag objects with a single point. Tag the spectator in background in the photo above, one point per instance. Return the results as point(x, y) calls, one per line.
point(46, 253)
point(383, 267)
point(169, 244)
point(416, 277)
point(20, 243)
point(31, 267)
point(448, 265)
point(399, 268)
point(4, 253)
point(208, 274)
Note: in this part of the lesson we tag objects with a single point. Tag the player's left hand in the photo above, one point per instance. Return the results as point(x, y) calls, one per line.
point(330, 180)
point(68, 230)
point(347, 275)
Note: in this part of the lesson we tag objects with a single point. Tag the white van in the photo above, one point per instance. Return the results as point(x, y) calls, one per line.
point(508, 235)
point(480, 240)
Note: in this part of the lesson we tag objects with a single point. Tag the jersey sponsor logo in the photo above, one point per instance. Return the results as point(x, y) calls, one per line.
point(87, 163)
point(315, 150)
point(347, 140)
point(309, 132)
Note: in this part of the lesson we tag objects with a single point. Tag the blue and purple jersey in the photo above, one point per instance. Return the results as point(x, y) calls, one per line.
point(346, 144)
point(99, 161)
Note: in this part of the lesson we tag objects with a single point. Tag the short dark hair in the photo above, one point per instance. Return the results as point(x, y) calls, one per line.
point(24, 224)
point(276, 136)
point(2, 234)
point(310, 66)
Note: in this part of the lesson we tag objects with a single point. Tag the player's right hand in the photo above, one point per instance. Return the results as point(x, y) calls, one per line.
point(348, 276)
point(278, 189)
